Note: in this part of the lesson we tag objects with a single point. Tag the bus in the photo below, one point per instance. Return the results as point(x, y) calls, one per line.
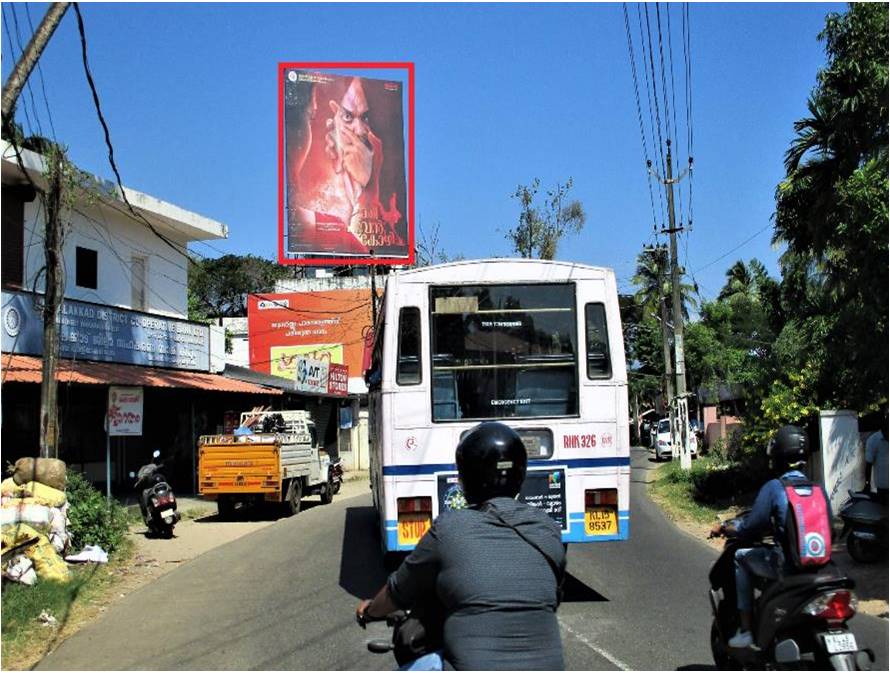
point(534, 344)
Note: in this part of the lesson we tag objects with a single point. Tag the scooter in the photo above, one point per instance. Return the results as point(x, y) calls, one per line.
point(336, 471)
point(865, 525)
point(156, 499)
point(800, 619)
point(415, 637)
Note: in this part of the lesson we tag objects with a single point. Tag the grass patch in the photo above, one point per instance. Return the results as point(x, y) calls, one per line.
point(25, 639)
point(688, 495)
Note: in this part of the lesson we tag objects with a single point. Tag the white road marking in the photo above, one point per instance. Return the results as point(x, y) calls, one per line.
point(615, 661)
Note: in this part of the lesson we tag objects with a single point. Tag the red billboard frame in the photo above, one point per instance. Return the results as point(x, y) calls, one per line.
point(342, 261)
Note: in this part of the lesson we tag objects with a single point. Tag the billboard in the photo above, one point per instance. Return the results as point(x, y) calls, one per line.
point(328, 326)
point(343, 194)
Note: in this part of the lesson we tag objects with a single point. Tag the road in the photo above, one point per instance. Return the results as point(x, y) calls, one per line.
point(283, 598)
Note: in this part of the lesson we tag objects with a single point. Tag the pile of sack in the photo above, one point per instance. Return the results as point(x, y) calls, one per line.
point(34, 517)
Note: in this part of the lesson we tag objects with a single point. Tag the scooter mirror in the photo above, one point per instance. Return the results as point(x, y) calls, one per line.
point(155, 454)
point(132, 474)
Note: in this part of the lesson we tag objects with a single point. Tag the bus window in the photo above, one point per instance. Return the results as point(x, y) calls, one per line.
point(599, 362)
point(504, 351)
point(408, 367)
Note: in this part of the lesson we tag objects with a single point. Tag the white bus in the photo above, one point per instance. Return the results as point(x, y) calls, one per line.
point(535, 344)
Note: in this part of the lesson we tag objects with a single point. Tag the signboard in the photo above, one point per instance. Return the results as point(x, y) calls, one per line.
point(342, 189)
point(840, 463)
point(338, 380)
point(544, 489)
point(311, 376)
point(124, 414)
point(104, 333)
point(326, 326)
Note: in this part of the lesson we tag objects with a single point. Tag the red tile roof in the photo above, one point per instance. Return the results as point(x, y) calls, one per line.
point(29, 369)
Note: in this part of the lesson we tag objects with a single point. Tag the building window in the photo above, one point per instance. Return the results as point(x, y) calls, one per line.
point(138, 269)
point(13, 235)
point(87, 268)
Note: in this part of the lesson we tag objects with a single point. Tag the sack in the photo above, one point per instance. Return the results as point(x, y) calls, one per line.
point(49, 471)
point(30, 513)
point(20, 569)
point(42, 494)
point(807, 524)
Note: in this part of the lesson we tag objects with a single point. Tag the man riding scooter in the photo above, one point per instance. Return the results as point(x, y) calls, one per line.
point(787, 455)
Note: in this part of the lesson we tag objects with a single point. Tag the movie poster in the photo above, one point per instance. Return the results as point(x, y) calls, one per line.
point(344, 167)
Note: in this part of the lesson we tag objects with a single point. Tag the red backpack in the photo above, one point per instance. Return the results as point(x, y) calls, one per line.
point(807, 524)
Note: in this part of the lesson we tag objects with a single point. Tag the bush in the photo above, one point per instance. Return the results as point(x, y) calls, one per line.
point(712, 478)
point(94, 520)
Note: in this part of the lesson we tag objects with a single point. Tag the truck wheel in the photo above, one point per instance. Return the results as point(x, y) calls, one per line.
point(327, 493)
point(225, 507)
point(295, 496)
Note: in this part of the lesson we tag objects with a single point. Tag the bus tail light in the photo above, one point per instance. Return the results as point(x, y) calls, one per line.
point(601, 496)
point(415, 505)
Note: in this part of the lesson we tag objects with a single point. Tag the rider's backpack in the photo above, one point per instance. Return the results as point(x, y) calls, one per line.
point(807, 524)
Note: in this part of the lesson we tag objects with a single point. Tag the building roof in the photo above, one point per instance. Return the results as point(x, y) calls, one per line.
point(29, 369)
point(192, 226)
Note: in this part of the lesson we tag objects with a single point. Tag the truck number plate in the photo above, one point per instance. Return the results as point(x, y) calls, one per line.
point(836, 643)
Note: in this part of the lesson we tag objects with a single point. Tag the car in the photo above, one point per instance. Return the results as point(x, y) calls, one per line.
point(662, 440)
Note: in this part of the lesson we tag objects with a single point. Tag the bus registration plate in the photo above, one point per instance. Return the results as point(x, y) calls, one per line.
point(412, 527)
point(601, 521)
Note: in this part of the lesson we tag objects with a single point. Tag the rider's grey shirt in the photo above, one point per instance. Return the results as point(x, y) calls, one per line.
point(498, 591)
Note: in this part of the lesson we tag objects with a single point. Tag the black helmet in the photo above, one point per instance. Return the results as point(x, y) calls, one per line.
point(789, 445)
point(491, 460)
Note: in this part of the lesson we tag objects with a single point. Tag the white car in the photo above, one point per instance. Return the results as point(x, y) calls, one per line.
point(662, 443)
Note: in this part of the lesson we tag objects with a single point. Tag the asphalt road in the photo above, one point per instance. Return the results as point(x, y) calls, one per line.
point(283, 598)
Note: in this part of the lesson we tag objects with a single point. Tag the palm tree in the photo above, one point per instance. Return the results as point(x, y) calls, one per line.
point(654, 284)
point(739, 281)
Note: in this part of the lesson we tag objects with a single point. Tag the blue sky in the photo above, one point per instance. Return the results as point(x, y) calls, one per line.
point(505, 93)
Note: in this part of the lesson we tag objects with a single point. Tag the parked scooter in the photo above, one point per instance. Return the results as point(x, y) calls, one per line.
point(336, 475)
point(800, 618)
point(865, 525)
point(156, 499)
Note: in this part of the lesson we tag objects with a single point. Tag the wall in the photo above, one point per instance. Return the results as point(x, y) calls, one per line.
point(237, 332)
point(717, 428)
point(116, 237)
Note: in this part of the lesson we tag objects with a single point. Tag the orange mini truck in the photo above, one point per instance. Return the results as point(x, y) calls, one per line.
point(280, 466)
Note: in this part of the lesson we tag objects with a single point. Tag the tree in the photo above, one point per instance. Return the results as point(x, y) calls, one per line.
point(542, 227)
point(219, 287)
point(428, 250)
point(831, 212)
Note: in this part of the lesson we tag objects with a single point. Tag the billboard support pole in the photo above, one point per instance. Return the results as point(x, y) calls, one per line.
point(373, 273)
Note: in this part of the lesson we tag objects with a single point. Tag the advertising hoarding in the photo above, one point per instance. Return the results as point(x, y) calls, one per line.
point(104, 333)
point(343, 196)
point(325, 326)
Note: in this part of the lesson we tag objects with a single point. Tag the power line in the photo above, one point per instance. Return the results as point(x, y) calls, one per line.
point(654, 98)
point(673, 93)
point(667, 112)
point(729, 252)
point(18, 38)
point(14, 59)
point(40, 75)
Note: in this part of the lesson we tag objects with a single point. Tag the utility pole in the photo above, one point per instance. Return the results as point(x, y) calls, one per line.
point(52, 300)
point(681, 399)
point(19, 75)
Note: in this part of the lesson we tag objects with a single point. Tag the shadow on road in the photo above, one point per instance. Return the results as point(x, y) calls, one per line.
point(361, 562)
point(576, 591)
point(253, 513)
point(697, 667)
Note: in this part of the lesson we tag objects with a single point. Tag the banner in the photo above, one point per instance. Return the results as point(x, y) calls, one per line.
point(124, 415)
point(342, 188)
point(325, 326)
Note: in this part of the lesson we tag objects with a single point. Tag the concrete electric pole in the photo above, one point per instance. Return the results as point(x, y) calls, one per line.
point(680, 402)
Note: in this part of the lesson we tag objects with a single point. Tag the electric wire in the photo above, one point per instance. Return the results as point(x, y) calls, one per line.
point(14, 59)
point(28, 88)
point(732, 250)
point(654, 99)
point(674, 100)
point(40, 75)
point(667, 114)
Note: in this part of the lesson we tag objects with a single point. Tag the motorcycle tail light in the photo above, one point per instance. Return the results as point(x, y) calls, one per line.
point(155, 502)
point(834, 606)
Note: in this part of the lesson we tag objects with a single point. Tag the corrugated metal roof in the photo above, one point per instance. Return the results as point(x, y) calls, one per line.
point(28, 369)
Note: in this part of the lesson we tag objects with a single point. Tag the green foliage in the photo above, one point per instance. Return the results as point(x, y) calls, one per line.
point(712, 480)
point(831, 211)
point(428, 250)
point(94, 520)
point(219, 287)
point(542, 227)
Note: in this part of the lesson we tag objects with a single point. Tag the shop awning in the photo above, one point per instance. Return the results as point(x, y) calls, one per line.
point(28, 369)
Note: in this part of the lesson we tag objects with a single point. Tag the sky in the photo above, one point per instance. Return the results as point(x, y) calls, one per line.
point(504, 93)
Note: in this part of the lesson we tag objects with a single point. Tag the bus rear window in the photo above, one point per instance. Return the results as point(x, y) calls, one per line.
point(408, 368)
point(504, 351)
point(599, 361)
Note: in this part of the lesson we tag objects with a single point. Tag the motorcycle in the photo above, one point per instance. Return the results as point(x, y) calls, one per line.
point(416, 638)
point(799, 618)
point(865, 525)
point(336, 472)
point(156, 498)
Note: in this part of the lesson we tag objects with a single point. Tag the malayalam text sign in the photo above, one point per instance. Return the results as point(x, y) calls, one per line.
point(342, 180)
point(124, 416)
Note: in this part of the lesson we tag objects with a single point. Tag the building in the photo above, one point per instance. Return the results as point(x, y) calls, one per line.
point(123, 323)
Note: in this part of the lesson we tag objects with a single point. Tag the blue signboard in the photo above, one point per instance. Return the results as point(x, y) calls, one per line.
point(105, 334)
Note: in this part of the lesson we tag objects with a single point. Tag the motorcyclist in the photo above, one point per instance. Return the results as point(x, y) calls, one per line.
point(787, 452)
point(495, 566)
